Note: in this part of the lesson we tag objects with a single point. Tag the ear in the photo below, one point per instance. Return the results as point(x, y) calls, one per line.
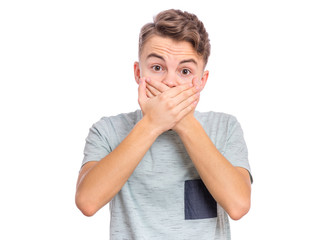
point(204, 79)
point(136, 72)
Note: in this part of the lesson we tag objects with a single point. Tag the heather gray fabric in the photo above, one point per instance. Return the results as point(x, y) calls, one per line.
point(165, 198)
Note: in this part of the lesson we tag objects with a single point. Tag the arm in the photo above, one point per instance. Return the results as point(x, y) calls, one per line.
point(99, 182)
point(229, 185)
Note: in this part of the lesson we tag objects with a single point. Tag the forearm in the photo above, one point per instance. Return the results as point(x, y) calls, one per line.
point(224, 181)
point(101, 183)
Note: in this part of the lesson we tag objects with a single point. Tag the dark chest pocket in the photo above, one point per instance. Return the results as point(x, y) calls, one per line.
point(198, 202)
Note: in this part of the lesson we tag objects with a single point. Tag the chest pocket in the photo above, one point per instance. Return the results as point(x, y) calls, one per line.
point(198, 202)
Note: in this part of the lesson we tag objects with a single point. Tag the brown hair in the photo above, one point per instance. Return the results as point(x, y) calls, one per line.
point(180, 26)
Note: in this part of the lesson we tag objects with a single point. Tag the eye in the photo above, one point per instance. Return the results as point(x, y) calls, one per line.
point(157, 68)
point(185, 72)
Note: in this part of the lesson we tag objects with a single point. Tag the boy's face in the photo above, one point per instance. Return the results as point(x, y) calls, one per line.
point(170, 62)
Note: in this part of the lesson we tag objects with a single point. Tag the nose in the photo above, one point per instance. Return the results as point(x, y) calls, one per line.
point(170, 80)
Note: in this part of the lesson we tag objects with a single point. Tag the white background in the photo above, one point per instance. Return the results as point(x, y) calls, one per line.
point(65, 64)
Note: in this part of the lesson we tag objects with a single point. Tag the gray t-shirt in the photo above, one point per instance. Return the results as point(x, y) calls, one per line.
point(165, 198)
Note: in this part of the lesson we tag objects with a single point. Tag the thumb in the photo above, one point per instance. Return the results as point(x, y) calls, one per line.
point(142, 96)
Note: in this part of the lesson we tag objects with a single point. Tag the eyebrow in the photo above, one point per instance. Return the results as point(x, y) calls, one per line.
point(188, 61)
point(162, 58)
point(155, 55)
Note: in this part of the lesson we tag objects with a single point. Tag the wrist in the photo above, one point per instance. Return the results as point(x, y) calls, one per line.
point(150, 128)
point(185, 125)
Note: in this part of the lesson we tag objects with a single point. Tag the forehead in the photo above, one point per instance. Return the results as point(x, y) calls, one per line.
point(169, 49)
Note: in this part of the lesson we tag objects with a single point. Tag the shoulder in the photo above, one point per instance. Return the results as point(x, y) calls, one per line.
point(218, 125)
point(117, 122)
point(129, 118)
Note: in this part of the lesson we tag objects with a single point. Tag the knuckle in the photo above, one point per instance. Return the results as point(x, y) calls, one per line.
point(175, 112)
point(170, 104)
point(162, 97)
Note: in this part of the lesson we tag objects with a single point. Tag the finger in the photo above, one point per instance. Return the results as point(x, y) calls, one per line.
point(190, 101)
point(186, 94)
point(173, 92)
point(142, 90)
point(157, 85)
point(153, 90)
point(197, 101)
point(187, 107)
point(148, 93)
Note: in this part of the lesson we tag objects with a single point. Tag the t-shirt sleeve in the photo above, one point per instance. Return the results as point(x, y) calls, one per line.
point(235, 149)
point(97, 145)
